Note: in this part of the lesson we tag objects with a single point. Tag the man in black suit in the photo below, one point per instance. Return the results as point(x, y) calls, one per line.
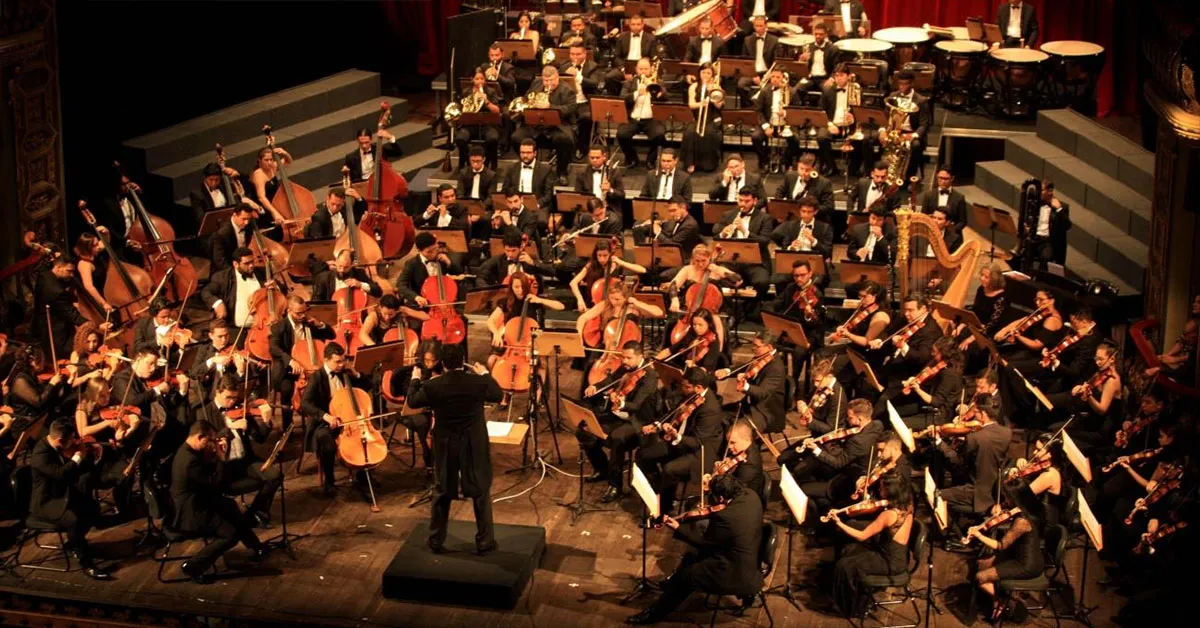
point(940, 392)
point(874, 240)
point(420, 267)
point(946, 197)
point(59, 494)
point(1018, 24)
point(632, 45)
point(136, 378)
point(785, 304)
point(805, 233)
point(772, 104)
point(621, 417)
point(815, 465)
point(835, 102)
point(477, 181)
point(766, 392)
point(500, 70)
point(909, 357)
point(293, 328)
point(1070, 367)
point(804, 181)
point(242, 471)
point(680, 229)
point(669, 457)
point(820, 55)
point(200, 508)
point(460, 443)
point(321, 435)
point(588, 80)
point(760, 46)
point(236, 233)
point(705, 47)
point(343, 274)
point(562, 99)
point(639, 96)
point(867, 192)
point(668, 181)
point(851, 14)
point(733, 180)
point(513, 260)
point(739, 443)
point(210, 196)
point(752, 223)
point(1046, 234)
point(153, 332)
point(329, 221)
point(445, 213)
point(723, 556)
point(950, 236)
point(491, 100)
point(915, 126)
point(228, 292)
point(210, 364)
point(119, 214)
point(361, 161)
point(54, 290)
point(600, 181)
point(977, 468)
point(529, 176)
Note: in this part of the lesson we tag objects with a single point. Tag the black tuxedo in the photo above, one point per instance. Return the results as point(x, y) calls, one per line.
point(415, 273)
point(616, 193)
point(623, 46)
point(669, 464)
point(656, 132)
point(353, 160)
point(506, 78)
point(767, 396)
point(224, 242)
point(202, 202)
point(495, 268)
point(60, 496)
point(857, 200)
point(611, 225)
point(319, 437)
point(830, 55)
point(623, 431)
point(979, 463)
point(759, 139)
point(243, 475)
point(325, 283)
point(201, 508)
point(57, 294)
point(543, 184)
point(321, 225)
point(920, 126)
point(283, 339)
point(885, 247)
point(593, 80)
point(951, 237)
point(1029, 24)
point(955, 208)
point(785, 305)
point(458, 219)
point(223, 287)
point(856, 13)
point(920, 349)
point(761, 227)
point(589, 39)
point(820, 188)
point(829, 98)
point(562, 99)
point(201, 372)
point(1053, 248)
point(695, 47)
point(681, 185)
point(845, 458)
point(488, 134)
point(720, 191)
point(787, 232)
point(487, 185)
point(770, 47)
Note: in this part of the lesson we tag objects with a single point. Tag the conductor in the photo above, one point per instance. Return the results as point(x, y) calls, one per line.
point(460, 443)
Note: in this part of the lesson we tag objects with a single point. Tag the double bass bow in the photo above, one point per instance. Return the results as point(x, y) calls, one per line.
point(386, 221)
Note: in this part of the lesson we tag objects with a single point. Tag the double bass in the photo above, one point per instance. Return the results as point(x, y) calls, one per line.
point(444, 322)
point(360, 444)
point(267, 305)
point(386, 221)
point(293, 201)
point(155, 235)
point(701, 295)
point(400, 332)
point(125, 284)
point(364, 251)
point(308, 353)
point(232, 188)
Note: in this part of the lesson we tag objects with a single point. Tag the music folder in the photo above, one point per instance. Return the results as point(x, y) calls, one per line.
point(784, 260)
point(785, 329)
point(454, 239)
point(579, 414)
point(665, 256)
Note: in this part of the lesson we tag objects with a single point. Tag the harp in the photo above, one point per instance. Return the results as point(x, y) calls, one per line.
point(956, 269)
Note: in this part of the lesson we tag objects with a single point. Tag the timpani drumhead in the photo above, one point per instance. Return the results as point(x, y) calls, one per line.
point(1019, 55)
point(902, 35)
point(863, 45)
point(677, 23)
point(959, 46)
point(1072, 48)
point(797, 40)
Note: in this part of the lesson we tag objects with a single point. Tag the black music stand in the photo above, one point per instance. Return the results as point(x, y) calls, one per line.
point(785, 258)
point(213, 221)
point(378, 359)
point(852, 273)
point(743, 121)
point(320, 248)
point(651, 511)
point(1081, 612)
point(674, 116)
point(714, 211)
point(996, 219)
point(557, 345)
point(609, 112)
point(284, 539)
point(782, 210)
point(785, 328)
point(454, 239)
point(667, 375)
point(577, 414)
point(539, 118)
point(797, 503)
point(483, 300)
point(863, 369)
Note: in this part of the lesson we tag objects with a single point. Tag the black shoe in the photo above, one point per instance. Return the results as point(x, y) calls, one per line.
point(434, 546)
point(190, 570)
point(953, 545)
point(486, 548)
point(611, 495)
point(595, 477)
point(260, 520)
point(643, 618)
point(96, 573)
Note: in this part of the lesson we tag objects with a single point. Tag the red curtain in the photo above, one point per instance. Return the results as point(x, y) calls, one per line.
point(424, 22)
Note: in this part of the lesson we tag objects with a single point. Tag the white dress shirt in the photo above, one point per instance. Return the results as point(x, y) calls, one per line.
point(217, 196)
point(801, 186)
point(525, 180)
point(1043, 223)
point(760, 65)
point(666, 186)
point(1014, 22)
point(338, 222)
point(642, 108)
point(817, 62)
point(706, 50)
point(580, 97)
point(846, 23)
point(128, 214)
point(368, 163)
point(743, 225)
point(735, 185)
point(338, 284)
point(806, 245)
point(245, 288)
point(873, 194)
point(635, 46)
point(444, 219)
point(597, 178)
point(476, 178)
point(839, 110)
point(943, 197)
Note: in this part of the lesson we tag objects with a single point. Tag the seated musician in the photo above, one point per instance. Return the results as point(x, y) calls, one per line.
point(620, 301)
point(266, 181)
point(773, 100)
point(701, 346)
point(745, 457)
point(91, 262)
point(429, 365)
point(229, 291)
point(477, 181)
point(561, 98)
point(54, 290)
point(946, 197)
point(722, 557)
point(987, 388)
point(874, 240)
point(335, 373)
point(835, 102)
point(976, 468)
point(162, 331)
point(814, 463)
point(764, 384)
point(805, 234)
point(705, 46)
point(211, 194)
point(606, 218)
point(329, 221)
point(696, 151)
point(515, 259)
point(388, 315)
point(241, 468)
point(1017, 555)
point(822, 412)
point(119, 215)
point(670, 453)
point(502, 71)
point(527, 31)
point(1018, 24)
point(626, 405)
point(201, 509)
point(1180, 359)
point(588, 80)
point(881, 548)
point(668, 181)
point(579, 31)
point(1130, 475)
point(446, 214)
point(910, 347)
point(215, 358)
point(483, 99)
point(361, 160)
point(936, 386)
point(751, 223)
point(761, 46)
point(58, 464)
point(233, 235)
point(639, 95)
point(527, 176)
point(1025, 339)
point(134, 385)
point(1071, 361)
point(891, 463)
point(852, 15)
point(915, 126)
point(951, 238)
point(694, 271)
point(870, 192)
point(521, 299)
point(522, 222)
point(605, 265)
point(805, 181)
point(728, 185)
point(680, 229)
point(343, 273)
point(1046, 235)
point(293, 328)
point(119, 438)
point(634, 44)
point(864, 327)
point(821, 57)
point(602, 182)
point(1048, 484)
point(429, 261)
point(990, 306)
point(1096, 405)
point(90, 358)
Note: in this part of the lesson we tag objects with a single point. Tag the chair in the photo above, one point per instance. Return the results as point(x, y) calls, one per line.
point(765, 493)
point(35, 527)
point(1055, 546)
point(916, 548)
point(766, 564)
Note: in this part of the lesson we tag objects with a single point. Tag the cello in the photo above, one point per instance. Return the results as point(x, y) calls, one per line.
point(351, 301)
point(308, 353)
point(617, 332)
point(401, 332)
point(125, 284)
point(444, 322)
point(360, 444)
point(155, 236)
point(512, 370)
point(702, 295)
point(293, 201)
point(386, 221)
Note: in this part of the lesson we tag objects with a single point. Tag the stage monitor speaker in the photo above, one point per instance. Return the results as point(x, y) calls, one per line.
point(469, 34)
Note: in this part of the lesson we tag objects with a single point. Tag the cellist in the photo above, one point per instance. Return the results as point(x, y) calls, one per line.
point(421, 266)
point(605, 265)
point(694, 271)
point(341, 273)
point(322, 427)
point(285, 370)
point(520, 295)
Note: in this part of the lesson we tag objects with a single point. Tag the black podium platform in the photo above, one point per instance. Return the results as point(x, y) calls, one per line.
point(458, 576)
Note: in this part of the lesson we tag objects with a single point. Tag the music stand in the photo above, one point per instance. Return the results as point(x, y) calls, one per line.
point(483, 299)
point(454, 239)
point(797, 502)
point(995, 219)
point(785, 329)
point(784, 260)
point(741, 251)
point(782, 209)
point(479, 118)
point(213, 220)
point(284, 539)
point(869, 116)
point(516, 49)
point(992, 34)
point(941, 517)
point(794, 68)
point(807, 120)
point(737, 67)
point(324, 311)
point(852, 273)
point(651, 510)
point(645, 208)
point(714, 211)
point(668, 375)
point(474, 206)
point(570, 202)
point(854, 218)
point(1076, 457)
point(579, 415)
point(542, 118)
point(1095, 533)
point(320, 248)
point(862, 368)
point(957, 316)
point(652, 297)
point(664, 256)
point(674, 116)
point(607, 112)
point(506, 432)
point(586, 243)
point(557, 345)
point(743, 121)
point(901, 428)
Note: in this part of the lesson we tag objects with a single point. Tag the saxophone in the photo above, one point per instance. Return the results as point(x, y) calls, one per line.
point(897, 152)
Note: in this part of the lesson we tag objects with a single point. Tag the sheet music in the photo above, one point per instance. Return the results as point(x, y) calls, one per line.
point(905, 434)
point(641, 484)
point(498, 429)
point(936, 503)
point(796, 500)
point(1094, 531)
point(1078, 460)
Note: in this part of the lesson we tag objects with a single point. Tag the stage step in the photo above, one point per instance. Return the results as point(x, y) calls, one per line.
point(1099, 147)
point(245, 120)
point(1094, 236)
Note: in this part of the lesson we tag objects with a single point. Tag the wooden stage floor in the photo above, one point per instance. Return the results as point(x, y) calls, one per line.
point(335, 579)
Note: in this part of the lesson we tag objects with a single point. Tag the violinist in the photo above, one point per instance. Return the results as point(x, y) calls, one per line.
point(240, 423)
point(1136, 474)
point(342, 273)
point(143, 384)
point(910, 347)
point(1043, 473)
point(702, 346)
point(743, 459)
point(1071, 361)
point(822, 412)
point(987, 387)
point(361, 160)
point(1098, 402)
point(604, 266)
point(1028, 342)
point(976, 470)
point(201, 509)
point(680, 230)
point(515, 259)
point(764, 384)
point(881, 548)
point(801, 300)
point(1017, 555)
point(528, 177)
point(217, 358)
point(478, 181)
point(229, 290)
point(519, 297)
point(749, 222)
point(890, 462)
point(671, 446)
point(628, 404)
point(233, 235)
point(936, 386)
point(1135, 432)
point(428, 366)
point(58, 466)
point(91, 359)
point(721, 557)
point(119, 436)
point(293, 328)
point(817, 460)
point(92, 260)
point(54, 289)
point(265, 179)
point(162, 331)
point(869, 321)
point(874, 240)
point(322, 426)
point(28, 394)
point(430, 259)
point(1180, 359)
point(329, 221)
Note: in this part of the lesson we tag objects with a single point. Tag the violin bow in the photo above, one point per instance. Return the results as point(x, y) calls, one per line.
point(50, 330)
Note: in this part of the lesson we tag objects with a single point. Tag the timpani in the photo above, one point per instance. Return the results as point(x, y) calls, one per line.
point(1074, 68)
point(793, 45)
point(1017, 74)
point(960, 64)
point(678, 29)
point(864, 48)
point(909, 43)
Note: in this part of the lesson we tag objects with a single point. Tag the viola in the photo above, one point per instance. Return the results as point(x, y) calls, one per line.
point(992, 522)
point(627, 384)
point(1050, 356)
point(386, 221)
point(1140, 456)
point(444, 322)
point(857, 510)
point(512, 370)
point(1136, 427)
point(860, 314)
point(1096, 383)
point(925, 375)
point(694, 514)
point(360, 444)
point(1148, 541)
point(874, 476)
point(617, 332)
point(1171, 480)
point(125, 285)
point(155, 235)
point(293, 201)
point(700, 295)
point(723, 466)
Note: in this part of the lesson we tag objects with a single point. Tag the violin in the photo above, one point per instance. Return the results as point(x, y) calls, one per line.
point(293, 201)
point(700, 295)
point(925, 375)
point(1096, 383)
point(627, 384)
point(818, 399)
point(874, 476)
point(512, 370)
point(991, 522)
point(700, 350)
point(674, 422)
point(1136, 426)
point(1025, 324)
point(1147, 542)
point(807, 300)
point(860, 314)
point(1029, 469)
point(120, 413)
point(360, 443)
point(856, 510)
point(758, 363)
point(125, 284)
point(85, 445)
point(835, 435)
point(617, 332)
point(386, 221)
point(1140, 456)
point(694, 514)
point(956, 429)
point(1050, 356)
point(901, 337)
point(156, 235)
point(723, 466)
point(1171, 480)
point(444, 322)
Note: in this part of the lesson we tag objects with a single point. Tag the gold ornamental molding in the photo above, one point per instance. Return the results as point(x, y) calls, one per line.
point(1185, 123)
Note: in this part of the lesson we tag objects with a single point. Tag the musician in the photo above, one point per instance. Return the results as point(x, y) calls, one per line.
point(234, 234)
point(90, 358)
point(853, 16)
point(946, 197)
point(1139, 468)
point(873, 192)
point(201, 509)
point(705, 47)
point(814, 464)
point(446, 214)
point(1018, 24)
point(162, 331)
point(728, 185)
point(361, 160)
point(54, 317)
point(951, 238)
point(619, 294)
point(421, 267)
point(869, 328)
point(228, 292)
point(1046, 235)
point(27, 395)
point(489, 100)
point(835, 101)
point(513, 260)
point(805, 181)
point(766, 393)
point(639, 93)
point(749, 222)
point(938, 392)
point(1029, 343)
point(739, 443)
point(285, 369)
point(603, 266)
point(241, 468)
point(821, 57)
point(976, 470)
point(667, 182)
point(562, 99)
point(602, 182)
point(908, 356)
point(762, 47)
point(773, 99)
point(987, 388)
point(881, 548)
point(215, 358)
point(429, 366)
point(723, 557)
point(990, 306)
point(607, 220)
point(329, 221)
point(1071, 362)
point(588, 78)
point(704, 151)
point(578, 31)
point(888, 452)
point(92, 259)
point(58, 466)
point(521, 299)
point(477, 181)
point(502, 71)
point(670, 452)
point(680, 229)
point(321, 436)
point(118, 437)
point(913, 130)
point(526, 30)
point(211, 196)
point(133, 385)
point(632, 45)
point(266, 181)
point(791, 301)
point(1017, 555)
point(119, 215)
point(874, 240)
point(528, 176)
point(1047, 485)
point(1098, 403)
point(701, 346)
point(1180, 359)
point(805, 233)
point(622, 417)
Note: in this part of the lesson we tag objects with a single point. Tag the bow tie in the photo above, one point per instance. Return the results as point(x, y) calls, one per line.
point(344, 276)
point(527, 166)
point(246, 276)
point(943, 192)
point(476, 172)
point(841, 89)
point(877, 188)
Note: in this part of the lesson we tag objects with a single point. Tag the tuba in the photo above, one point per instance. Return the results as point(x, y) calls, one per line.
point(897, 152)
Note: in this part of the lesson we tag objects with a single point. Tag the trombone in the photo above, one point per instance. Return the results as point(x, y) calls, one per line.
point(715, 97)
